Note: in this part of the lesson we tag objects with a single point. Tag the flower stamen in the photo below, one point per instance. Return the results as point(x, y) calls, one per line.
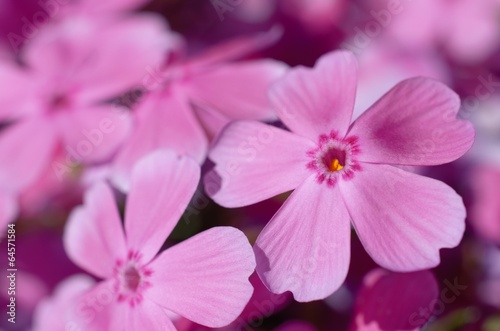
point(335, 165)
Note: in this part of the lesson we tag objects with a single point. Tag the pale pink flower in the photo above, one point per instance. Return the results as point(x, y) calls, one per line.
point(58, 312)
point(191, 100)
point(381, 66)
point(342, 171)
point(468, 30)
point(395, 301)
point(204, 279)
point(61, 96)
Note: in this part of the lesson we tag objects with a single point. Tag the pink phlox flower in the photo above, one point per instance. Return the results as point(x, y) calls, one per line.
point(204, 278)
point(191, 99)
point(342, 171)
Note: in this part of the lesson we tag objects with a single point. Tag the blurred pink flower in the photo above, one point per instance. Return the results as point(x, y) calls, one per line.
point(204, 279)
point(395, 301)
point(340, 172)
point(468, 30)
point(317, 16)
point(61, 96)
point(382, 66)
point(296, 326)
point(8, 210)
point(485, 214)
point(489, 286)
point(191, 100)
point(96, 7)
point(58, 312)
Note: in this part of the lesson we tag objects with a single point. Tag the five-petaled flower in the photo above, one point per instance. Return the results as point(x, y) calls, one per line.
point(204, 278)
point(342, 171)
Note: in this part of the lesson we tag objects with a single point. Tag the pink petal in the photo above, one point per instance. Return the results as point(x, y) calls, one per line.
point(93, 134)
point(131, 51)
point(163, 120)
point(93, 237)
point(135, 49)
point(255, 162)
point(210, 119)
point(305, 248)
point(98, 309)
point(414, 124)
point(236, 48)
point(22, 163)
point(316, 101)
point(162, 186)
point(262, 303)
point(403, 219)
point(16, 98)
point(205, 278)
point(395, 301)
point(55, 313)
point(8, 210)
point(239, 91)
point(149, 316)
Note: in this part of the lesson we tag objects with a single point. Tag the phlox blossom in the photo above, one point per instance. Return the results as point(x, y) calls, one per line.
point(342, 171)
point(204, 278)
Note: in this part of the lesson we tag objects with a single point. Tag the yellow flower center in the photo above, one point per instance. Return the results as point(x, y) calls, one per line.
point(335, 165)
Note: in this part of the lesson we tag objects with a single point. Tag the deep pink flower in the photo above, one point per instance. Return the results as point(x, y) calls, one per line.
point(342, 171)
point(204, 278)
point(485, 214)
point(317, 16)
point(488, 288)
point(191, 100)
point(296, 326)
point(395, 301)
point(8, 210)
point(96, 7)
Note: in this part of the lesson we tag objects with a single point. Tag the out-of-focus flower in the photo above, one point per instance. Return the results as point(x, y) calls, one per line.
point(296, 326)
point(318, 16)
point(340, 172)
point(485, 215)
point(8, 209)
point(96, 7)
point(204, 279)
point(394, 301)
point(21, 22)
point(59, 98)
point(468, 30)
point(489, 286)
point(29, 291)
point(255, 11)
point(58, 312)
point(382, 66)
point(192, 100)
